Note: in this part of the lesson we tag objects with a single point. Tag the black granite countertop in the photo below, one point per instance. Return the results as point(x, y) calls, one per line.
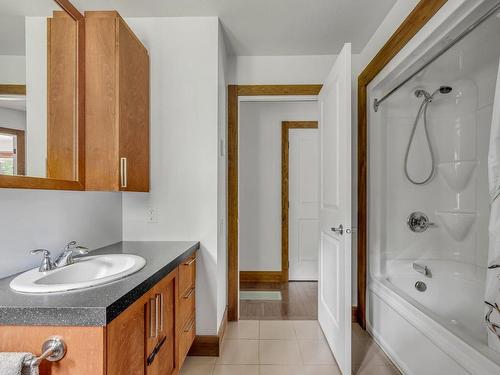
point(99, 305)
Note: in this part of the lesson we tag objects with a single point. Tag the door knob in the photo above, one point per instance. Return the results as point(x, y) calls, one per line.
point(339, 230)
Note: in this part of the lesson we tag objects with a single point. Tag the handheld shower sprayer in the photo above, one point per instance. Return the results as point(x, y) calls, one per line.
point(422, 111)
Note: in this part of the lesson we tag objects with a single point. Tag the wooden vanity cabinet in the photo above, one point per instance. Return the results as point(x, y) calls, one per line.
point(155, 333)
point(116, 105)
point(151, 337)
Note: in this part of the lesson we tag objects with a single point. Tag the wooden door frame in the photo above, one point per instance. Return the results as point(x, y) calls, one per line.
point(285, 187)
point(235, 91)
point(20, 148)
point(417, 19)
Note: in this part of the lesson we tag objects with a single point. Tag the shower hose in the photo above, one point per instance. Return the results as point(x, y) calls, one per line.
point(421, 112)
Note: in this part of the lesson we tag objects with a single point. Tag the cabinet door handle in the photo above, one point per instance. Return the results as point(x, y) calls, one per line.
point(155, 351)
point(157, 314)
point(123, 172)
point(152, 318)
point(190, 326)
point(160, 308)
point(189, 262)
point(188, 294)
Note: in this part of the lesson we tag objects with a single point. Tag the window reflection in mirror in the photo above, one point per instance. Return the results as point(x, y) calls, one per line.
point(38, 77)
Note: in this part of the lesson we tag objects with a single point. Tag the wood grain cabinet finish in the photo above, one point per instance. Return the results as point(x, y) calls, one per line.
point(151, 337)
point(117, 105)
point(186, 327)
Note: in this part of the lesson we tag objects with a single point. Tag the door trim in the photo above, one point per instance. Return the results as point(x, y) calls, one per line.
point(234, 91)
point(285, 171)
point(415, 21)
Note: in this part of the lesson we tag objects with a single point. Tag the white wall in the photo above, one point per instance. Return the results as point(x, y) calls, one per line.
point(255, 70)
point(222, 180)
point(36, 96)
point(33, 219)
point(260, 179)
point(184, 148)
point(12, 69)
point(12, 119)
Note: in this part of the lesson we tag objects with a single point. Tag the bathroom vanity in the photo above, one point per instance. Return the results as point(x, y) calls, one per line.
point(142, 324)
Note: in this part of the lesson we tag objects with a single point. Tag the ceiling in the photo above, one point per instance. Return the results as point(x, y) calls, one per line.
point(256, 27)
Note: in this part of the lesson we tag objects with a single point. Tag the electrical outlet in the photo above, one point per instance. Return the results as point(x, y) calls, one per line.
point(152, 215)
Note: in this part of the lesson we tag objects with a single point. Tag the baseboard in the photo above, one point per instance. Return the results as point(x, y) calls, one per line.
point(209, 346)
point(260, 276)
point(355, 314)
point(205, 346)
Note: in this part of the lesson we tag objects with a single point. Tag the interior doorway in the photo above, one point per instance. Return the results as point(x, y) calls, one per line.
point(300, 199)
point(293, 294)
point(272, 154)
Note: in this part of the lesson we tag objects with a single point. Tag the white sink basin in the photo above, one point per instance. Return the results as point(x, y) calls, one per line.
point(86, 272)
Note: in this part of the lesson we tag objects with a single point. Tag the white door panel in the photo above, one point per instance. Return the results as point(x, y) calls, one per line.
point(334, 302)
point(304, 204)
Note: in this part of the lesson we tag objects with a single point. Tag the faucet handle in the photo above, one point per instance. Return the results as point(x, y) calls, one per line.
point(47, 263)
point(72, 245)
point(45, 252)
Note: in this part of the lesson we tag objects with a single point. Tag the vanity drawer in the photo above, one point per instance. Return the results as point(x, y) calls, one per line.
point(186, 338)
point(187, 305)
point(187, 275)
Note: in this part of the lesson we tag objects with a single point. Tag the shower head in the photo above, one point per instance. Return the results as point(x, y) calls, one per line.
point(445, 89)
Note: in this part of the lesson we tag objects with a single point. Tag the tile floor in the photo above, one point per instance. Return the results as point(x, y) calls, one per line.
point(286, 347)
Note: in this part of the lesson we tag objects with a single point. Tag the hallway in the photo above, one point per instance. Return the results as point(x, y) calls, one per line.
point(284, 347)
point(299, 301)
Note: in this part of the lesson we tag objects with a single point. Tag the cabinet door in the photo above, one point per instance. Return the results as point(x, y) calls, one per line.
point(125, 342)
point(161, 340)
point(133, 111)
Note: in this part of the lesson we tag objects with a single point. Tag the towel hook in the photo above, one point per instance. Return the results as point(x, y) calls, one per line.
point(53, 350)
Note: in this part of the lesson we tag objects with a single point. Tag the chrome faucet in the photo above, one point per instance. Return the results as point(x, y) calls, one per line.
point(66, 258)
point(47, 263)
point(423, 269)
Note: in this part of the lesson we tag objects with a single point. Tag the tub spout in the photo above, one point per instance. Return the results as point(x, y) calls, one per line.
point(423, 269)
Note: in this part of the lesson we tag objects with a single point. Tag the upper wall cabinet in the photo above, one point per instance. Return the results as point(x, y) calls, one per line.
point(117, 105)
point(41, 95)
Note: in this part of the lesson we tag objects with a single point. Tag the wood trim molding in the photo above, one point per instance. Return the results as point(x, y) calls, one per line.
point(232, 173)
point(232, 202)
point(263, 90)
point(209, 346)
point(285, 169)
point(260, 276)
point(420, 15)
point(25, 182)
point(12, 89)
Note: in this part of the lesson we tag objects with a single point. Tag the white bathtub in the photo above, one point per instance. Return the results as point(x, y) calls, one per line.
point(439, 331)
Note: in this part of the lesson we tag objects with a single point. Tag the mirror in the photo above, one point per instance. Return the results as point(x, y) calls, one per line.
point(40, 94)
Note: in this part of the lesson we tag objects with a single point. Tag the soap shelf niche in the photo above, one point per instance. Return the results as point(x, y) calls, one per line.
point(457, 174)
point(458, 224)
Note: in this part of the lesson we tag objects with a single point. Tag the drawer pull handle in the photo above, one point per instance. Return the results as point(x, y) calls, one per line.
point(157, 314)
point(162, 309)
point(123, 172)
point(155, 351)
point(189, 293)
point(152, 318)
point(190, 326)
point(189, 262)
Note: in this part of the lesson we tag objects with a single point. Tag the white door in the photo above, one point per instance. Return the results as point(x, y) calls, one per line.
point(303, 177)
point(334, 292)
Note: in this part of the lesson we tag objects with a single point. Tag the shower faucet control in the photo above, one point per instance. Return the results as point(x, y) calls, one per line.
point(418, 222)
